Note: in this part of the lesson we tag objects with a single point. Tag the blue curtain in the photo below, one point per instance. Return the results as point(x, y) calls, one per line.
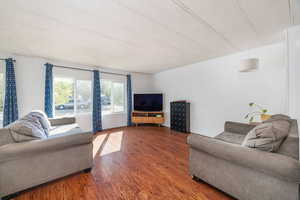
point(97, 120)
point(129, 100)
point(49, 90)
point(10, 113)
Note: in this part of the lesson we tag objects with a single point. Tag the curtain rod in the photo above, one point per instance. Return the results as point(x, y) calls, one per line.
point(88, 70)
point(5, 59)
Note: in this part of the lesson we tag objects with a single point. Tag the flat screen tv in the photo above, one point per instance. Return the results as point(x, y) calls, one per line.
point(148, 102)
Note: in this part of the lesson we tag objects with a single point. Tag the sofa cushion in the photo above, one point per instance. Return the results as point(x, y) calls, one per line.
point(43, 119)
point(65, 129)
point(231, 137)
point(277, 117)
point(5, 136)
point(26, 128)
point(62, 121)
point(267, 136)
point(236, 127)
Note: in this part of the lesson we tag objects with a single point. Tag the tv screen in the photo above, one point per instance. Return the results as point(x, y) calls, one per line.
point(148, 102)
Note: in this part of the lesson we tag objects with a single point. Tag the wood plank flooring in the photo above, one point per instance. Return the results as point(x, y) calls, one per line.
point(134, 163)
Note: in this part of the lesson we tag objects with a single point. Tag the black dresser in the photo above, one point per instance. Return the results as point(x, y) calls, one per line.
point(180, 116)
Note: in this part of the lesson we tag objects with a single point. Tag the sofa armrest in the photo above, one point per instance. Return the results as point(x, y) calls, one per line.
point(236, 127)
point(25, 149)
point(62, 121)
point(283, 167)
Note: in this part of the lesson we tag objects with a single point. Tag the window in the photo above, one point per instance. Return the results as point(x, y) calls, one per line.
point(118, 97)
point(73, 93)
point(112, 96)
point(83, 97)
point(65, 91)
point(64, 96)
point(1, 97)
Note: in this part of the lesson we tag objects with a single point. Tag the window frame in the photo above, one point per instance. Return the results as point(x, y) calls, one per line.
point(61, 73)
point(75, 82)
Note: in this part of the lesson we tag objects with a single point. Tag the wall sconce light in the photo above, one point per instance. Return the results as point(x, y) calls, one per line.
point(249, 65)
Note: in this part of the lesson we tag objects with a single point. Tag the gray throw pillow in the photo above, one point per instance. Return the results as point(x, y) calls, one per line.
point(26, 128)
point(267, 136)
point(43, 120)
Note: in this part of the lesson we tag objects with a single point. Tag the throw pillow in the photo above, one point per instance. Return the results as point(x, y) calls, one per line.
point(26, 128)
point(43, 120)
point(267, 136)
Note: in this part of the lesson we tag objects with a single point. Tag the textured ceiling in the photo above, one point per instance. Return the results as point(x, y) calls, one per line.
point(140, 35)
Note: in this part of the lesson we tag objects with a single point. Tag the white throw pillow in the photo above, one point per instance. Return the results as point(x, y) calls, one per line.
point(43, 120)
point(27, 128)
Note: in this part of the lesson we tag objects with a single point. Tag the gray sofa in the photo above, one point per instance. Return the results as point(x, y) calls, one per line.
point(65, 151)
point(246, 173)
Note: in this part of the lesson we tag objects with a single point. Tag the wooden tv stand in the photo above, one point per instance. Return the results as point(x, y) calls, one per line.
point(141, 117)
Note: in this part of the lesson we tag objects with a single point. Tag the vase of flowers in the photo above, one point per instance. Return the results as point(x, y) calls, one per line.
point(259, 111)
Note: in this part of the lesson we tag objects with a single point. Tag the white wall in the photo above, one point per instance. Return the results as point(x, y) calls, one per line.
point(30, 89)
point(142, 83)
point(218, 92)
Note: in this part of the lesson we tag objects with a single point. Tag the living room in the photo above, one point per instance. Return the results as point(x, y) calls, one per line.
point(181, 99)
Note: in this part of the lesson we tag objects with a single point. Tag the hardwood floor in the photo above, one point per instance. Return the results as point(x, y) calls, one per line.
point(135, 163)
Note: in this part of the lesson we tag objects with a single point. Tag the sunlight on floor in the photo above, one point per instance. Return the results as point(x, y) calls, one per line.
point(97, 143)
point(107, 143)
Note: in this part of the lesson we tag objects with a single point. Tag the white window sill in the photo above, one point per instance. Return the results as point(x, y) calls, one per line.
point(114, 113)
point(90, 113)
point(74, 115)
